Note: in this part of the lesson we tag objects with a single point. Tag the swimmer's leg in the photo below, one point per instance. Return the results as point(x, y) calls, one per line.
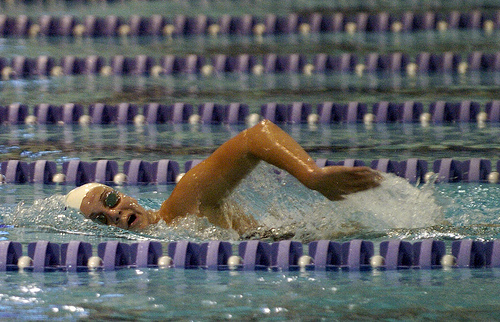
point(202, 189)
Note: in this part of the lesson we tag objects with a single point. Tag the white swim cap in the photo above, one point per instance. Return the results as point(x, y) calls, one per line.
point(75, 197)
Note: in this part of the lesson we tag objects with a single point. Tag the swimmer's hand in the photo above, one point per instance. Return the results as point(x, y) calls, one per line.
point(335, 182)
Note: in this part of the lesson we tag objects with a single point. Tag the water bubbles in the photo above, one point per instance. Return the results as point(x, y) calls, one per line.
point(395, 204)
point(282, 204)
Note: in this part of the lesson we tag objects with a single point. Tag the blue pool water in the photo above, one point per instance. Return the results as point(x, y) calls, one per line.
point(445, 212)
point(286, 210)
point(204, 295)
point(397, 210)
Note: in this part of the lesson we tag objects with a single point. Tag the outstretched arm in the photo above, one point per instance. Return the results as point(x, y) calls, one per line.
point(202, 190)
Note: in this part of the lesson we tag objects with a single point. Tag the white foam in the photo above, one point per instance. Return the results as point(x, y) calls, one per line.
point(395, 204)
point(281, 202)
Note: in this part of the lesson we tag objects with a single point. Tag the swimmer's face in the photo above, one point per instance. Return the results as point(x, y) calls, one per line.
point(107, 206)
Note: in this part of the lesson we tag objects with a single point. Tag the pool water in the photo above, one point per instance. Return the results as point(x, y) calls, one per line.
point(446, 212)
point(184, 142)
point(208, 295)
point(286, 210)
point(397, 210)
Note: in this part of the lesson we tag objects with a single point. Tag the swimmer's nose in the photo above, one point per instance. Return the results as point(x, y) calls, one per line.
point(122, 218)
point(115, 217)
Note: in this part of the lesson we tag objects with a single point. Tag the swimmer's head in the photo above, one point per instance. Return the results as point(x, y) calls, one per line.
point(75, 197)
point(107, 206)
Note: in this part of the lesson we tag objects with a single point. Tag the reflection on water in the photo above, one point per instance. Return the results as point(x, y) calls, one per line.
point(183, 142)
point(219, 295)
point(253, 90)
point(459, 41)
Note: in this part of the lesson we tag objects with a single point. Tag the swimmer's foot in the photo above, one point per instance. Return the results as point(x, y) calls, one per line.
point(334, 182)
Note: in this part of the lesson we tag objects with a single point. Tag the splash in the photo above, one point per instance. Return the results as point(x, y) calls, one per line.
point(284, 208)
point(281, 203)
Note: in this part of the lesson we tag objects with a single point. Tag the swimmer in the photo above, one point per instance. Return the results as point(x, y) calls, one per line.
point(203, 189)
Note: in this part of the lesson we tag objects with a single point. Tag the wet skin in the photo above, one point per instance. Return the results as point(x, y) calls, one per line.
point(108, 206)
point(203, 190)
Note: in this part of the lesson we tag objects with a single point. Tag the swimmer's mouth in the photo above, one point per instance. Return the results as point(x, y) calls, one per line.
point(132, 219)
